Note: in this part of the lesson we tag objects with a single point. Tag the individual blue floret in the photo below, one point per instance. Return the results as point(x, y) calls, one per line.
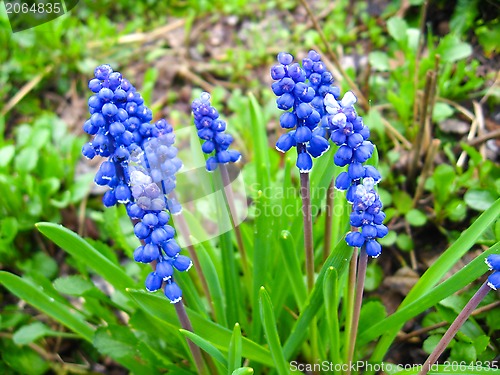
point(211, 130)
point(494, 280)
point(493, 262)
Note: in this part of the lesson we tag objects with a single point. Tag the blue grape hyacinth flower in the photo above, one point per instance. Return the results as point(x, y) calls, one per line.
point(140, 168)
point(211, 130)
point(493, 262)
point(348, 131)
point(295, 88)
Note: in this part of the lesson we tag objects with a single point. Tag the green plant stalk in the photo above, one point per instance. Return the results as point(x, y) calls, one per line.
point(351, 293)
point(195, 350)
point(185, 232)
point(305, 194)
point(454, 327)
point(360, 284)
point(232, 209)
point(328, 220)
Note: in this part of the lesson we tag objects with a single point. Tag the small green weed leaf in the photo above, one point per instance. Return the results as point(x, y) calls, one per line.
point(464, 16)
point(442, 111)
point(119, 343)
point(74, 285)
point(6, 154)
point(8, 229)
point(24, 360)
point(374, 276)
point(397, 27)
point(416, 218)
point(206, 346)
point(26, 160)
point(371, 311)
point(488, 37)
point(463, 351)
point(379, 61)
point(389, 240)
point(430, 343)
point(402, 201)
point(479, 200)
point(456, 210)
point(42, 264)
point(271, 331)
point(452, 49)
point(444, 177)
point(30, 333)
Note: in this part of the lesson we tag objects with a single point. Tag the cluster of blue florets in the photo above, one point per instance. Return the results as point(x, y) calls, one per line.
point(367, 215)
point(493, 262)
point(140, 171)
point(299, 91)
point(211, 130)
point(158, 246)
point(348, 132)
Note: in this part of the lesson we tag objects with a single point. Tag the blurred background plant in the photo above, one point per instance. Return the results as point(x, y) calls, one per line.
point(429, 72)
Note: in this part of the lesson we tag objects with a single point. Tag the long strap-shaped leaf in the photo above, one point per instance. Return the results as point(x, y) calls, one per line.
point(271, 331)
point(462, 278)
point(56, 310)
point(217, 335)
point(82, 251)
point(338, 259)
point(437, 271)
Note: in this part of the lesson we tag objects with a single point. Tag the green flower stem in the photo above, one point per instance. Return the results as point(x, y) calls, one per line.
point(328, 220)
point(232, 208)
point(455, 326)
point(305, 194)
point(360, 285)
point(351, 292)
point(195, 350)
point(185, 232)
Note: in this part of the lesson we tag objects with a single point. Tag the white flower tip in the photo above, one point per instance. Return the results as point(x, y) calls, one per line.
point(176, 300)
point(304, 170)
point(488, 264)
point(279, 149)
point(348, 100)
point(205, 96)
point(331, 104)
point(491, 285)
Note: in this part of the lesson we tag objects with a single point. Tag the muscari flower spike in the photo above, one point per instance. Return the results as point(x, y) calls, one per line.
point(493, 262)
point(211, 130)
point(140, 170)
point(348, 132)
point(299, 91)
